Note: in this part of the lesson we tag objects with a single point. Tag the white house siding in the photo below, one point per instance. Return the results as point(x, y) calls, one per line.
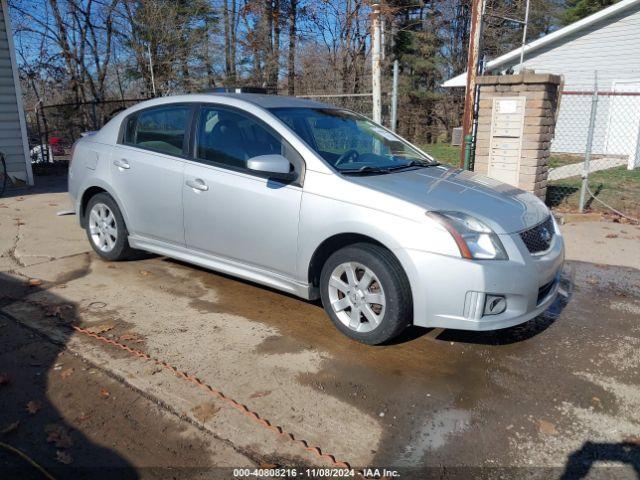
point(13, 141)
point(612, 48)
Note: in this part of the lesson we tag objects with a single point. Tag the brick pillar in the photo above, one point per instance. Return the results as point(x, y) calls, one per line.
point(497, 147)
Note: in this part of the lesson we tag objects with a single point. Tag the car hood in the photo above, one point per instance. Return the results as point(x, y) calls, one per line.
point(504, 208)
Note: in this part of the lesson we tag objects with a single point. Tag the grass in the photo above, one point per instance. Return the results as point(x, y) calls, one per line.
point(618, 186)
point(443, 152)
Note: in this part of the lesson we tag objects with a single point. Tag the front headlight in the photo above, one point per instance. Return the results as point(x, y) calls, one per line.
point(474, 239)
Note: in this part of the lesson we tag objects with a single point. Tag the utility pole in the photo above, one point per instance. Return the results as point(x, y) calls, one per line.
point(394, 97)
point(587, 154)
point(153, 81)
point(375, 62)
point(473, 61)
point(524, 34)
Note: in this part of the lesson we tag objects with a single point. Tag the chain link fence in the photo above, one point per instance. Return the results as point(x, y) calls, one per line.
point(595, 153)
point(52, 129)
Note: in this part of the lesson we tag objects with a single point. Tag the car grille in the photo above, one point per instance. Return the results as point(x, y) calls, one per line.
point(538, 239)
point(544, 290)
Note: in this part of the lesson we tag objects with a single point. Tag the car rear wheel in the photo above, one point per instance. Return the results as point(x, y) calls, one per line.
point(106, 229)
point(366, 293)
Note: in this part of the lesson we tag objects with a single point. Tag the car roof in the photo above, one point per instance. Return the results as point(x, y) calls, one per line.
point(273, 101)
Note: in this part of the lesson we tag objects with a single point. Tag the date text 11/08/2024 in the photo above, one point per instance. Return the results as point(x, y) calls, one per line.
point(314, 473)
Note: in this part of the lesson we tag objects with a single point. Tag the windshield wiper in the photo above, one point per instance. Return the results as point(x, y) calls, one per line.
point(364, 170)
point(413, 163)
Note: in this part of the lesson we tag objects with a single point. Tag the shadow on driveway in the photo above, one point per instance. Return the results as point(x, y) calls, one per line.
point(36, 375)
point(55, 182)
point(581, 461)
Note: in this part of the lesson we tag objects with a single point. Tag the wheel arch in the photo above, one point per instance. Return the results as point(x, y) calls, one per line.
point(92, 190)
point(334, 243)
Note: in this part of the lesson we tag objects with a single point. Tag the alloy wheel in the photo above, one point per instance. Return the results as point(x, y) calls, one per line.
point(356, 296)
point(103, 227)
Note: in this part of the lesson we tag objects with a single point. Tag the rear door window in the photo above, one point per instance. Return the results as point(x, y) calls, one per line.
point(159, 129)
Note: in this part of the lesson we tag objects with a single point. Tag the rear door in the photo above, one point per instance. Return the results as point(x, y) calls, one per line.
point(230, 211)
point(147, 169)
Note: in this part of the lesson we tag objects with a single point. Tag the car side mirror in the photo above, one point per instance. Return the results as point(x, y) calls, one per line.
point(273, 166)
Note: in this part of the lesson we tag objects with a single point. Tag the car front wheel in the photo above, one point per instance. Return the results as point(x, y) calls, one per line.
point(366, 293)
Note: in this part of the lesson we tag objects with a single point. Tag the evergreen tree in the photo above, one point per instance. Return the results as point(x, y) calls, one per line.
point(578, 9)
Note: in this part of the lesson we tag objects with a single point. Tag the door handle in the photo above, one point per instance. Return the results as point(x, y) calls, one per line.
point(197, 184)
point(122, 163)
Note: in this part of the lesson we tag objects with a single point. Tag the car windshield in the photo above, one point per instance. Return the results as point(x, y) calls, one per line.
point(350, 142)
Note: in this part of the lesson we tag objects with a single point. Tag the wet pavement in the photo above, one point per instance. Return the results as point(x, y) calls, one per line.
point(556, 397)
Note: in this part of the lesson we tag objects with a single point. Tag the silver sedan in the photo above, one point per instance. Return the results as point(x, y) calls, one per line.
point(319, 202)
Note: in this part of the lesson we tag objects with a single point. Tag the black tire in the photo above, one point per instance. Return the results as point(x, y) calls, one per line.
point(121, 249)
point(398, 310)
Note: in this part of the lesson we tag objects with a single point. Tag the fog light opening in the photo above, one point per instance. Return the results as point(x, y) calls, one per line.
point(494, 304)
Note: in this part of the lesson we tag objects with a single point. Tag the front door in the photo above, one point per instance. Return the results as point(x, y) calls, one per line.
point(147, 172)
point(231, 212)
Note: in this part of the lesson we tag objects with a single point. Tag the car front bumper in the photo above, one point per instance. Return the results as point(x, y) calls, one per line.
point(450, 292)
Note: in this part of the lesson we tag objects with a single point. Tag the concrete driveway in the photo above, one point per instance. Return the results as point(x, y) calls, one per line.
point(557, 396)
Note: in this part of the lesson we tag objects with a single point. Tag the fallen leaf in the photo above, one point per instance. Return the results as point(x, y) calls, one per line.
point(63, 457)
point(596, 402)
point(611, 235)
point(104, 393)
point(145, 273)
point(4, 379)
point(267, 466)
point(66, 373)
point(205, 411)
point(105, 327)
point(33, 406)
point(131, 337)
point(111, 266)
point(260, 394)
point(34, 282)
point(83, 417)
point(53, 204)
point(58, 434)
point(12, 427)
point(547, 428)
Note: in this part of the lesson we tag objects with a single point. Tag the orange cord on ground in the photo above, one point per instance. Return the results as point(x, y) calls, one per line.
point(217, 393)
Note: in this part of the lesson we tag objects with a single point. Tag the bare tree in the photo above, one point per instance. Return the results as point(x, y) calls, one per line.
point(291, 62)
point(231, 21)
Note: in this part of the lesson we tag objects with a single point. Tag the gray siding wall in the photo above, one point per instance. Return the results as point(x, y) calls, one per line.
point(11, 129)
point(612, 47)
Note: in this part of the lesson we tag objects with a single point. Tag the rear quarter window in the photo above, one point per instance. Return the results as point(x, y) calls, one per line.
point(158, 129)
